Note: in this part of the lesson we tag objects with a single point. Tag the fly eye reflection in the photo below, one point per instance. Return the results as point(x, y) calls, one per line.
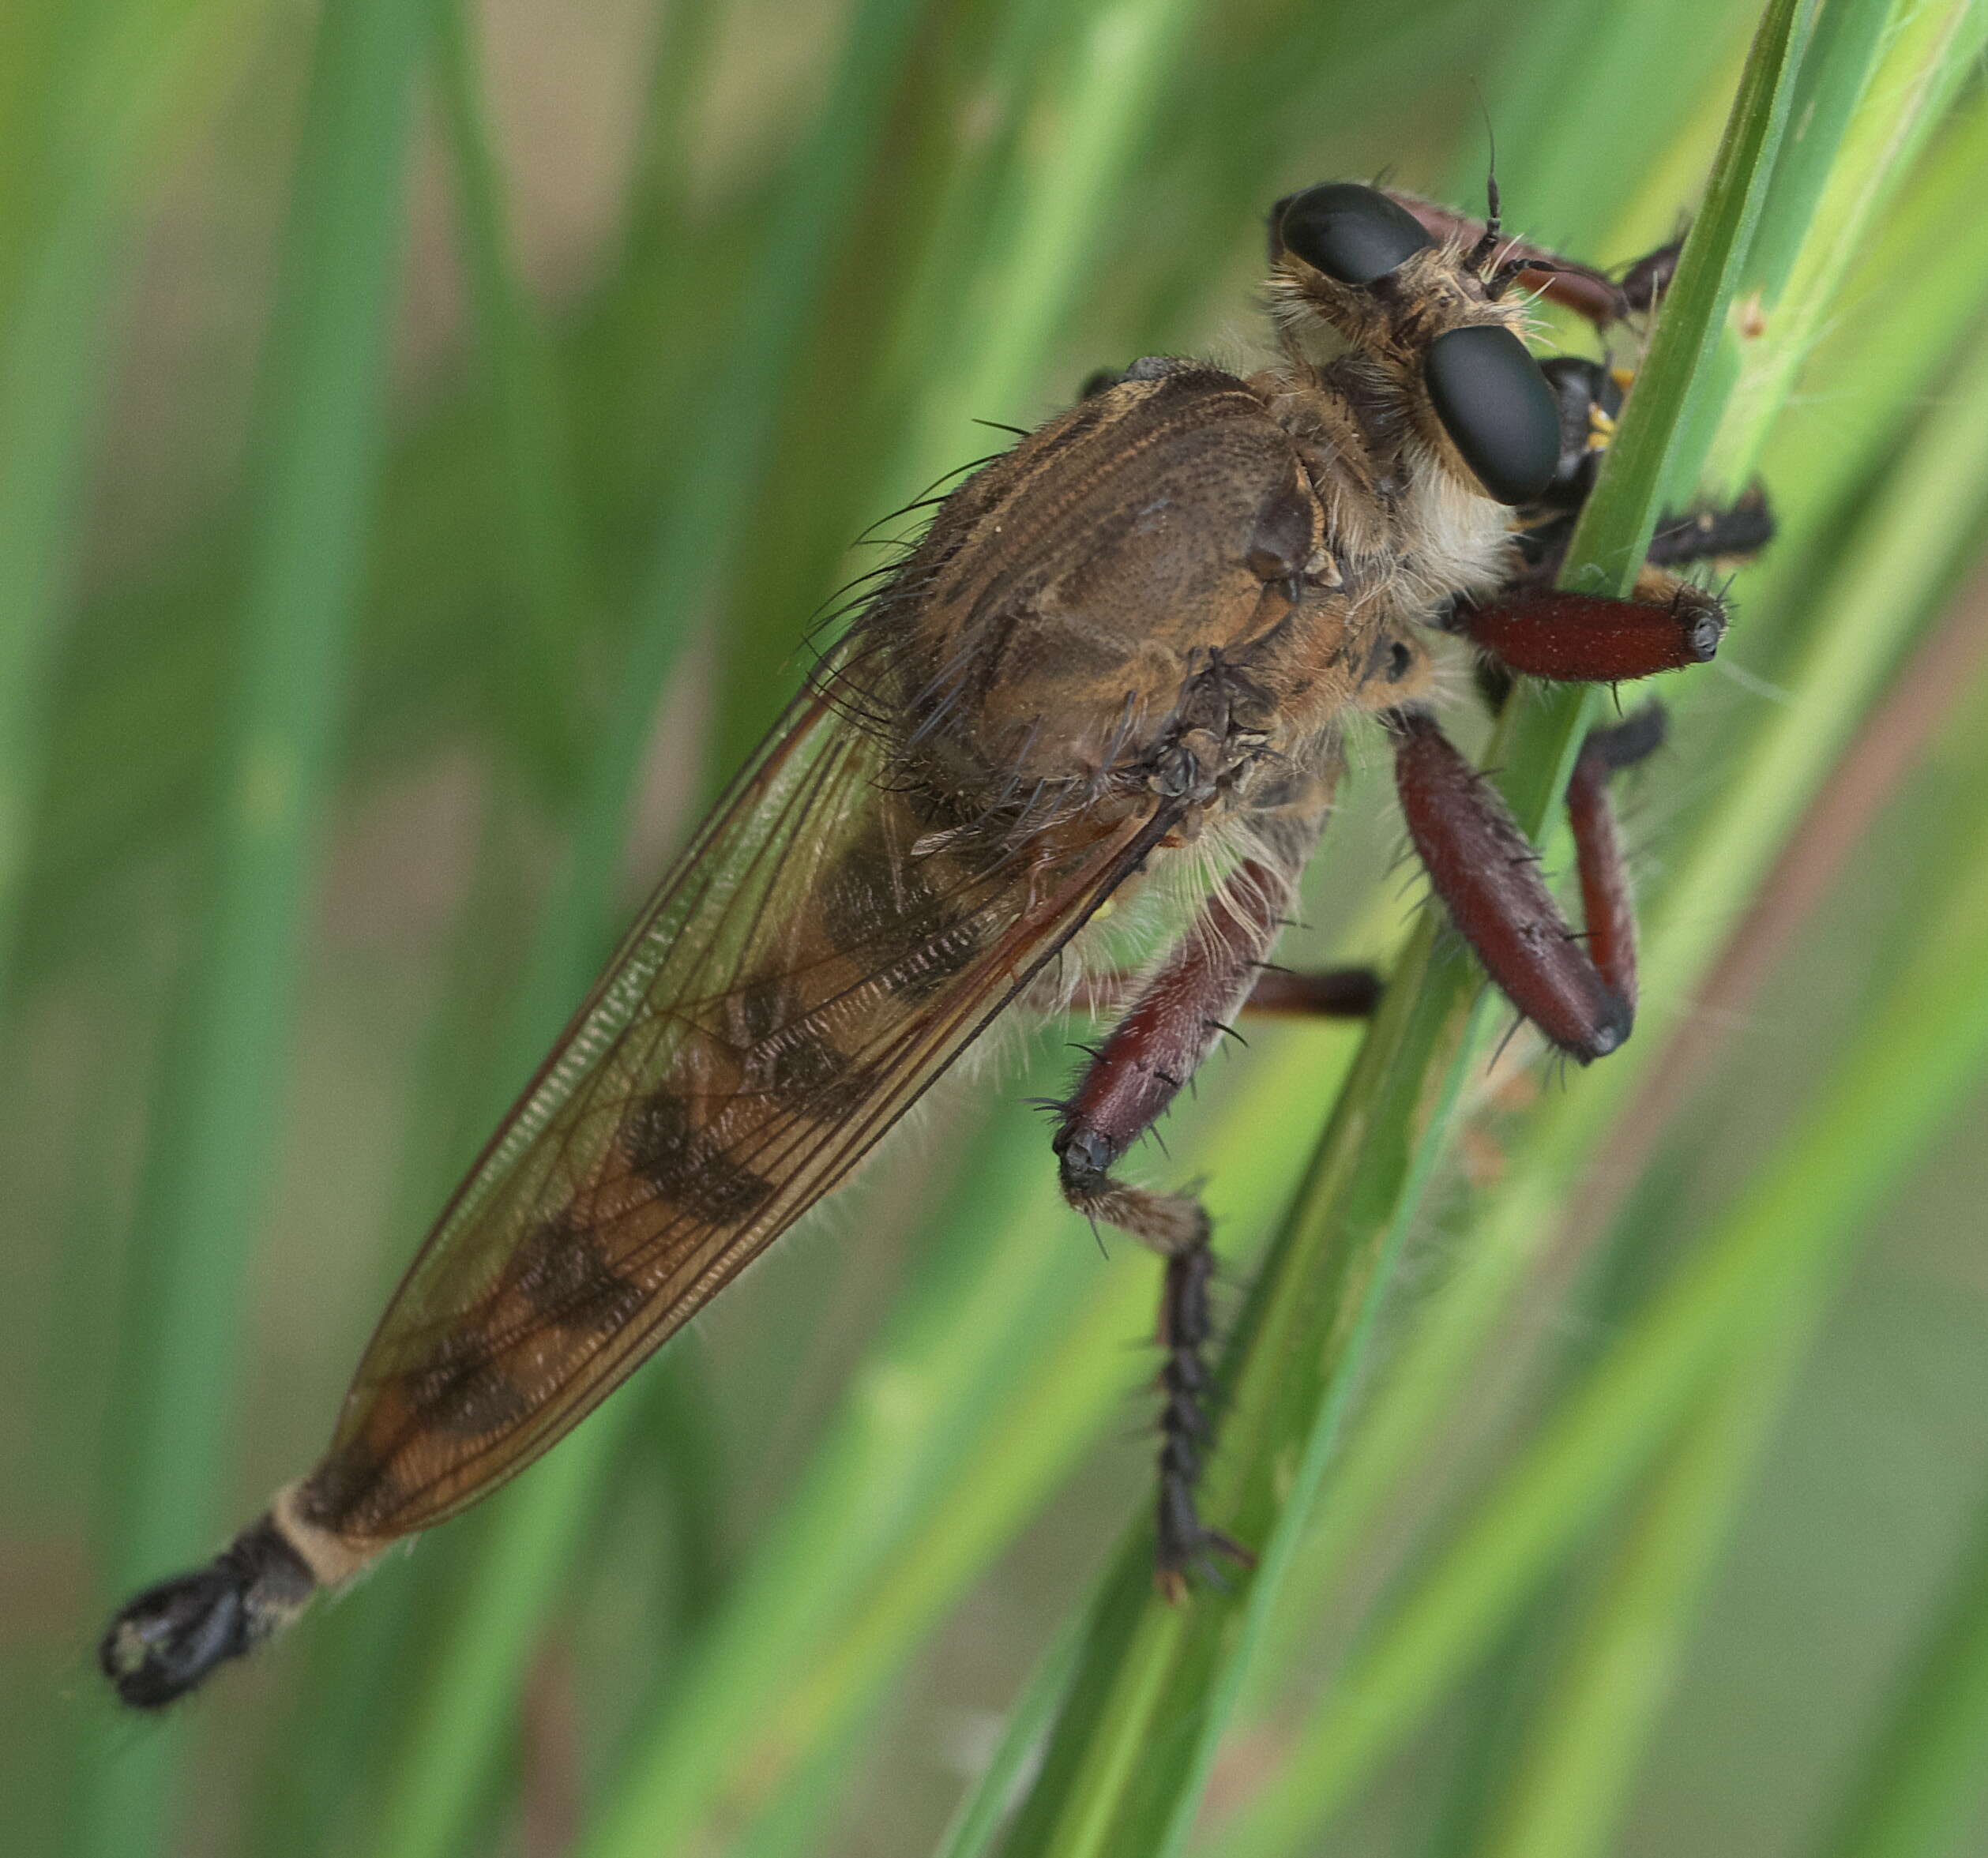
point(1497, 408)
point(1352, 234)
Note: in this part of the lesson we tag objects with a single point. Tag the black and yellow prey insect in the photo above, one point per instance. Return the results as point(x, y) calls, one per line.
point(1128, 649)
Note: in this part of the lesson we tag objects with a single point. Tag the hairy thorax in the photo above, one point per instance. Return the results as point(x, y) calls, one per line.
point(1186, 577)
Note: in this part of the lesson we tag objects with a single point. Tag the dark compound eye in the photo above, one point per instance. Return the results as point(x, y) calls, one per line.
point(1496, 405)
point(1352, 234)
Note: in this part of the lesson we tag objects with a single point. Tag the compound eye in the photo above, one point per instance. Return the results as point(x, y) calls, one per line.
point(1353, 234)
point(1495, 406)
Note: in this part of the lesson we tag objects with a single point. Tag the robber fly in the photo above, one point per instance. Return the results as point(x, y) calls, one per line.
point(1123, 658)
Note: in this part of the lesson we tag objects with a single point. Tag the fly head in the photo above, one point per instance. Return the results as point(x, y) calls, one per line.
point(1360, 284)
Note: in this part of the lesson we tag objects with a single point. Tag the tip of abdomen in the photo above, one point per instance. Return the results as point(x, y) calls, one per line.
point(166, 1641)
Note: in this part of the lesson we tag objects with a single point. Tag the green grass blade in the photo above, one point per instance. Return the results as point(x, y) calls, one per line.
point(544, 532)
point(1091, 119)
point(977, 1824)
point(1908, 546)
point(1584, 1753)
point(1566, 1795)
point(1903, 550)
point(1883, 79)
point(999, 1371)
point(1019, 1416)
point(723, 443)
point(325, 378)
point(1550, 129)
point(726, 443)
point(1790, 1236)
point(1581, 1758)
point(1651, 459)
point(49, 368)
point(1572, 1781)
point(530, 1546)
point(1126, 1767)
point(655, 219)
point(450, 1749)
point(1568, 1790)
point(217, 1122)
point(1023, 196)
point(104, 91)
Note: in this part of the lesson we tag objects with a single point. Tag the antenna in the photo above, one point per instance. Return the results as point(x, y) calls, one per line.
point(1494, 222)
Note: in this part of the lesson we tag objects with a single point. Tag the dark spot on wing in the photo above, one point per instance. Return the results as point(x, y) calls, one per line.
point(874, 897)
point(687, 1166)
point(463, 1389)
point(914, 914)
point(760, 1008)
point(351, 1492)
point(783, 1055)
point(802, 1068)
point(936, 960)
point(560, 1272)
point(864, 896)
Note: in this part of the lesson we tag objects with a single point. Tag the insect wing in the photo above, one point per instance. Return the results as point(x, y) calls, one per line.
point(799, 979)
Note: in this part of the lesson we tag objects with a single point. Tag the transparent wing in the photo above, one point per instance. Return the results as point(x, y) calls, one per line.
point(804, 973)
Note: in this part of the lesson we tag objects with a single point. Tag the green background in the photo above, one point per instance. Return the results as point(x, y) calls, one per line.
point(426, 435)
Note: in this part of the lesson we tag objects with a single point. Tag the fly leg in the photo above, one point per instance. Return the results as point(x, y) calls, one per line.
point(1729, 532)
point(1545, 632)
point(1581, 996)
point(1598, 864)
point(1183, 1009)
point(1329, 993)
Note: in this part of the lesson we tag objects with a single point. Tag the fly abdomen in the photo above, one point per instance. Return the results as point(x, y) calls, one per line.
point(166, 1641)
